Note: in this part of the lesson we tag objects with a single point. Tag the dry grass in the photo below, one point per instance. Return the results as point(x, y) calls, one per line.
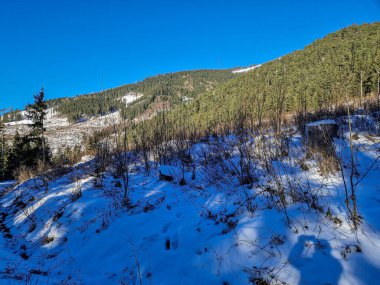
point(24, 173)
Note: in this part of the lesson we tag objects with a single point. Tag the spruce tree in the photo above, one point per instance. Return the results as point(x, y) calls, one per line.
point(37, 113)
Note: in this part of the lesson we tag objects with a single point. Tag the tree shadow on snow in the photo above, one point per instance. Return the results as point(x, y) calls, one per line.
point(313, 259)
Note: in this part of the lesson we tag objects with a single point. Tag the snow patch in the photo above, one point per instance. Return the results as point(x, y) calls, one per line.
point(243, 70)
point(131, 97)
point(321, 122)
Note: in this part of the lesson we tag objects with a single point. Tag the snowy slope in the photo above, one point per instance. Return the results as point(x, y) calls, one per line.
point(200, 233)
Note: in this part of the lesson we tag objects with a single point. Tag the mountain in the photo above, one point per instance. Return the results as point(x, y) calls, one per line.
point(168, 89)
point(71, 121)
point(344, 65)
point(217, 177)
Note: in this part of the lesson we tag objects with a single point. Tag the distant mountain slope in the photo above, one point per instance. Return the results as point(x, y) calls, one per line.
point(169, 89)
point(342, 66)
point(320, 76)
point(141, 101)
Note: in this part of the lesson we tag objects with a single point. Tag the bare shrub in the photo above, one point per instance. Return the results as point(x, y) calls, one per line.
point(24, 173)
point(123, 159)
point(326, 159)
point(47, 240)
point(43, 174)
point(69, 156)
point(77, 192)
point(101, 162)
point(320, 146)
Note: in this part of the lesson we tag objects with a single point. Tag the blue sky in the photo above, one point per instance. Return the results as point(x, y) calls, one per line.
point(74, 47)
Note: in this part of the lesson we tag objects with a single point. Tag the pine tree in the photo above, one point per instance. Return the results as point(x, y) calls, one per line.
point(37, 113)
point(20, 154)
point(41, 153)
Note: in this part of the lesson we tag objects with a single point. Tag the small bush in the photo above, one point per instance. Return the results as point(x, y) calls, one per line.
point(327, 161)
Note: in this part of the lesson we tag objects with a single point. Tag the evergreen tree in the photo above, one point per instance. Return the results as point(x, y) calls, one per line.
point(31, 150)
point(37, 113)
point(21, 154)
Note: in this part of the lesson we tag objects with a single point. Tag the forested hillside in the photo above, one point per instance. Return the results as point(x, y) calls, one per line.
point(344, 65)
point(172, 88)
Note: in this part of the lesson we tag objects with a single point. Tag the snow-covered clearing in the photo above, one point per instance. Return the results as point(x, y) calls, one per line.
point(200, 233)
point(131, 97)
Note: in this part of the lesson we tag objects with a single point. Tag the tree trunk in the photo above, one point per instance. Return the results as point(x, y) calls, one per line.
point(378, 89)
point(125, 184)
point(361, 89)
point(354, 215)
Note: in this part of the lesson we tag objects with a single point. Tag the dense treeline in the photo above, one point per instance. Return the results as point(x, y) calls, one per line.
point(345, 64)
point(92, 105)
point(343, 67)
point(173, 88)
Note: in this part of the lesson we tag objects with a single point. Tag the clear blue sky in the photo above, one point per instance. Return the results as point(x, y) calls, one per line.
point(74, 47)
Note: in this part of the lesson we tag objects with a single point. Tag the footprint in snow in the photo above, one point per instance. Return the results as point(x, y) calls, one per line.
point(171, 243)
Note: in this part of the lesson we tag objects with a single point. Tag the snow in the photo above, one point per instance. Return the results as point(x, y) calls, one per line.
point(321, 122)
point(169, 170)
point(131, 97)
point(187, 99)
point(200, 233)
point(21, 122)
point(60, 133)
point(243, 70)
point(50, 114)
point(364, 122)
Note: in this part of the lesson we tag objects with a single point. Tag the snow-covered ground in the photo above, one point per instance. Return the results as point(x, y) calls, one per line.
point(199, 233)
point(60, 133)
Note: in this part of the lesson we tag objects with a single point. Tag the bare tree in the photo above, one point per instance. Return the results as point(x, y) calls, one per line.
point(122, 159)
point(101, 161)
point(142, 144)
